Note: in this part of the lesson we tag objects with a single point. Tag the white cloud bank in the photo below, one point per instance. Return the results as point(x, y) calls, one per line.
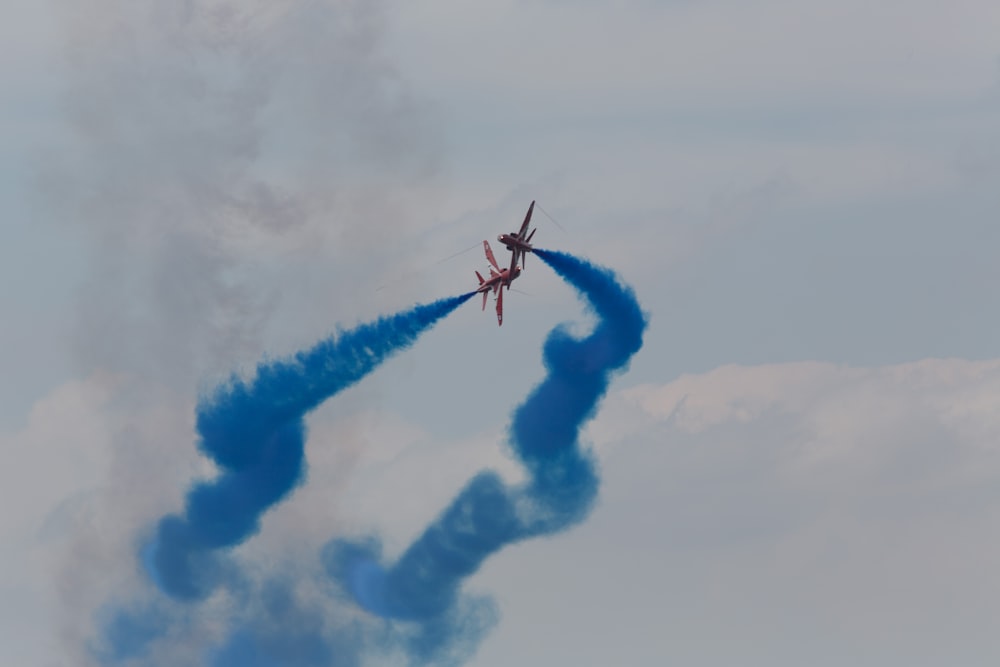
point(790, 514)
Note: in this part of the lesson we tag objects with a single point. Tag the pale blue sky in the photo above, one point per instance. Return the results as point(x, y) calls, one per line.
point(782, 182)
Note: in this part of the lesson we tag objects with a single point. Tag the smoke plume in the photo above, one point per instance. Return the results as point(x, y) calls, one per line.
point(354, 604)
point(254, 432)
point(423, 585)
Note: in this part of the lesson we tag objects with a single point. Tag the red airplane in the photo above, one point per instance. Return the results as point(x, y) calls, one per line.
point(498, 279)
point(519, 242)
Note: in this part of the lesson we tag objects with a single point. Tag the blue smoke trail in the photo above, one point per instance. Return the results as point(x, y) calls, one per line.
point(255, 433)
point(423, 585)
point(282, 631)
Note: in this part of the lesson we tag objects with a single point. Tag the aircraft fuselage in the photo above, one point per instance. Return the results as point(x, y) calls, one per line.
point(498, 280)
point(512, 241)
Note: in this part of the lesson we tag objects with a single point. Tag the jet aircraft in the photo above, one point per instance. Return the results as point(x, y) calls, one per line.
point(519, 242)
point(499, 278)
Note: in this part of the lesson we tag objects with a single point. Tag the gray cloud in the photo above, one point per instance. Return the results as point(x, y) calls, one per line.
point(229, 166)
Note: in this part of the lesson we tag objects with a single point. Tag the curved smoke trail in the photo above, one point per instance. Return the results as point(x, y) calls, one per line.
point(254, 431)
point(423, 585)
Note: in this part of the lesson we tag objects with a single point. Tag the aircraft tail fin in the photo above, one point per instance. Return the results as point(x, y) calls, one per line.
point(490, 256)
point(500, 308)
point(527, 218)
point(481, 280)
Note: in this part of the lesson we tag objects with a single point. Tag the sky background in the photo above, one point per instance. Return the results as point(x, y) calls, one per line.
point(800, 467)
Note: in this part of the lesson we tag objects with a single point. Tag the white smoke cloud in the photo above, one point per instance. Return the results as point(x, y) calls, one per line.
point(230, 167)
point(221, 152)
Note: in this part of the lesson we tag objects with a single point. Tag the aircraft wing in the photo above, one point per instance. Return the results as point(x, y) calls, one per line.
point(527, 219)
point(489, 255)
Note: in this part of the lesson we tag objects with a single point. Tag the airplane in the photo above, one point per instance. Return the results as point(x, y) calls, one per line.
point(496, 282)
point(519, 242)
